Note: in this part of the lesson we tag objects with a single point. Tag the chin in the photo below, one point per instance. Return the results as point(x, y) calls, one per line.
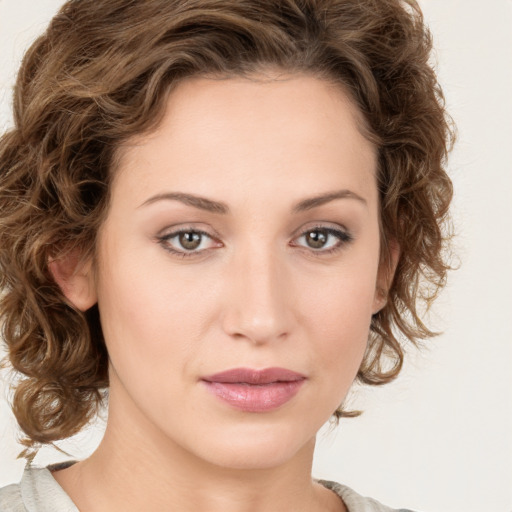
point(254, 448)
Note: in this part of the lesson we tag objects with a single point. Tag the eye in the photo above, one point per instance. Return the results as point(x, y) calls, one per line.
point(187, 242)
point(323, 239)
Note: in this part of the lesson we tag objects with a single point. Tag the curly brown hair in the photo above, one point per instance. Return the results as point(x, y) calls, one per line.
point(101, 73)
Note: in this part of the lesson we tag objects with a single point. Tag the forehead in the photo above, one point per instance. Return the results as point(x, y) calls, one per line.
point(254, 133)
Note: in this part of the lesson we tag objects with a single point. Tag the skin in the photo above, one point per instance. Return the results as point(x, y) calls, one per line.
point(254, 294)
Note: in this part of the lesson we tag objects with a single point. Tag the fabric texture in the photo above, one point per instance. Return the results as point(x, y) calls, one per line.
point(38, 491)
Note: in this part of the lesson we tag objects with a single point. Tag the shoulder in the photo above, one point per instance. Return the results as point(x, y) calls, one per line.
point(355, 502)
point(10, 499)
point(38, 491)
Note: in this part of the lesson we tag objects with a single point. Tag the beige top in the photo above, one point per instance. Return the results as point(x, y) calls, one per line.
point(38, 491)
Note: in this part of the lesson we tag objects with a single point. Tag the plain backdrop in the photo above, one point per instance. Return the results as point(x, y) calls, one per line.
point(440, 438)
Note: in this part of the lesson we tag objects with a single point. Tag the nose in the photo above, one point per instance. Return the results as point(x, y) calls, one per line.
point(259, 298)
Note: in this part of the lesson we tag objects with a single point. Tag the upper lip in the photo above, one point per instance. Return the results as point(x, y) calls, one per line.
point(252, 376)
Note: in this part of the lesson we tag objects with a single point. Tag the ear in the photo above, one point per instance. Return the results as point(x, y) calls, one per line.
point(385, 276)
point(75, 278)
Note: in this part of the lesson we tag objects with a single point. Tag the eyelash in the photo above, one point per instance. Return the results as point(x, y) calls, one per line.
point(343, 237)
point(164, 242)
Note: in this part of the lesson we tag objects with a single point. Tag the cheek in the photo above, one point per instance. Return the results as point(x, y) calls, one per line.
point(341, 322)
point(146, 312)
point(337, 317)
point(150, 339)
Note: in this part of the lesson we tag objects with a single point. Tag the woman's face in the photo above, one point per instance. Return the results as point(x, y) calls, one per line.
point(237, 269)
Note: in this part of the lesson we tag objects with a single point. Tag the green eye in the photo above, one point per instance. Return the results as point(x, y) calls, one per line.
point(316, 239)
point(190, 240)
point(323, 239)
point(187, 242)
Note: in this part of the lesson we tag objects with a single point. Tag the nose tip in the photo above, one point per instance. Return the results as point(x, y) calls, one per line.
point(258, 331)
point(258, 306)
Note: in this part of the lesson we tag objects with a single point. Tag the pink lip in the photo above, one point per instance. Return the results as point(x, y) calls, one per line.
point(255, 390)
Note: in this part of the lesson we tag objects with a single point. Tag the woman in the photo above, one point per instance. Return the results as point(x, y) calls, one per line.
point(224, 212)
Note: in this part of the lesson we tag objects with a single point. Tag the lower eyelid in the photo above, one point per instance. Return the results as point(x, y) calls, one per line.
point(165, 242)
point(343, 238)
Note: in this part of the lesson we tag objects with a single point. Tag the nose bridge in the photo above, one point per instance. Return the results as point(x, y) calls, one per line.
point(258, 307)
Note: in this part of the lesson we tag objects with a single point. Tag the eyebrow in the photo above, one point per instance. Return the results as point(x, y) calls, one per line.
point(202, 203)
point(191, 200)
point(314, 202)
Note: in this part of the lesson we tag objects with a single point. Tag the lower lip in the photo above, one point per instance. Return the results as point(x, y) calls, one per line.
point(255, 397)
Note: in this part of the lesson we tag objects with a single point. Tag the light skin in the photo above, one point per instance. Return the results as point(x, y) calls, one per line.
point(277, 266)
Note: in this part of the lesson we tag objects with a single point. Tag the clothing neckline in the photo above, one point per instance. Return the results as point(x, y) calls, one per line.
point(39, 481)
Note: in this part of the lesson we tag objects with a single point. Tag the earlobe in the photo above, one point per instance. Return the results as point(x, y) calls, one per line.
point(75, 279)
point(385, 277)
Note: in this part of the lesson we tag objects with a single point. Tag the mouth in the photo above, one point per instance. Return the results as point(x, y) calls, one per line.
point(252, 390)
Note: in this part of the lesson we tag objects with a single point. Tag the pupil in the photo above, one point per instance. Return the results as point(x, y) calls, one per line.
point(190, 240)
point(317, 239)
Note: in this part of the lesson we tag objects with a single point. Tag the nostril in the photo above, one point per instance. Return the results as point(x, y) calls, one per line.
point(257, 305)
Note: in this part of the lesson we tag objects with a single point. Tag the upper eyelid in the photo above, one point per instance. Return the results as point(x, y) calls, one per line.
point(329, 229)
point(164, 241)
point(168, 231)
point(345, 238)
point(171, 234)
point(333, 226)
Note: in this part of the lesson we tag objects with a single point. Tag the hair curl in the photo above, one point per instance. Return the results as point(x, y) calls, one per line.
point(101, 73)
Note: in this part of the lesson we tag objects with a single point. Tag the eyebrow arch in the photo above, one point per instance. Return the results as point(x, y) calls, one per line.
point(314, 202)
point(209, 205)
point(191, 200)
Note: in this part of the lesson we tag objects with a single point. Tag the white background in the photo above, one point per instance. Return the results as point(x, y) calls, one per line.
point(439, 439)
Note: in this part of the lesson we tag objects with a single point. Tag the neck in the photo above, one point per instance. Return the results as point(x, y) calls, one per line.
point(136, 467)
